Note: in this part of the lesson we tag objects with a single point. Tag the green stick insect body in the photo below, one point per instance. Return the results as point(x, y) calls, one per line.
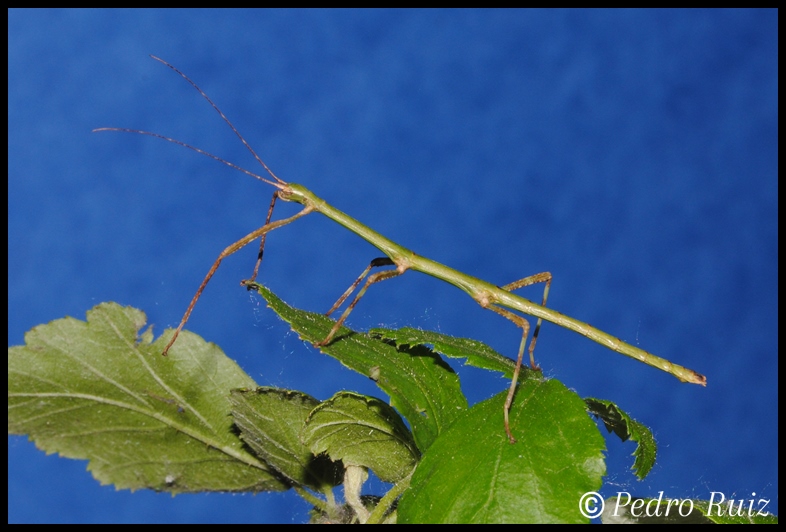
point(487, 295)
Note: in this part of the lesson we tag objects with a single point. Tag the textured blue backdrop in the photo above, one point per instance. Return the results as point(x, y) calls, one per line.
point(631, 153)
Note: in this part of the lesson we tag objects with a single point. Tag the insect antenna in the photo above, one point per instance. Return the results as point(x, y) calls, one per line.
point(190, 147)
point(206, 97)
point(280, 183)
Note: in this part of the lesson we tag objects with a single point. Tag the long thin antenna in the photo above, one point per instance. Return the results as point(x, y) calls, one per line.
point(206, 97)
point(190, 147)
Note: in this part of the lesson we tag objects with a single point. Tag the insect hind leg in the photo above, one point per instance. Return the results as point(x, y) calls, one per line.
point(544, 277)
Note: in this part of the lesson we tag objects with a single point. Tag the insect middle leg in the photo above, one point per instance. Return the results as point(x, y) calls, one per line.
point(381, 276)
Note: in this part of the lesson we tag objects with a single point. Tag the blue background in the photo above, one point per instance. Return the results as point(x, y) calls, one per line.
point(633, 154)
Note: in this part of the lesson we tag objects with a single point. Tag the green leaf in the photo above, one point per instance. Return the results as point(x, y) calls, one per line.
point(625, 427)
point(477, 353)
point(472, 474)
point(270, 421)
point(420, 384)
point(362, 431)
point(96, 390)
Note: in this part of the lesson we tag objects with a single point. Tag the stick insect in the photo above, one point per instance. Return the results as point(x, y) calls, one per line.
point(499, 299)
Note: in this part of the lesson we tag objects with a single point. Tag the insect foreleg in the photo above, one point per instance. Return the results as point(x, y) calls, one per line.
point(227, 252)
